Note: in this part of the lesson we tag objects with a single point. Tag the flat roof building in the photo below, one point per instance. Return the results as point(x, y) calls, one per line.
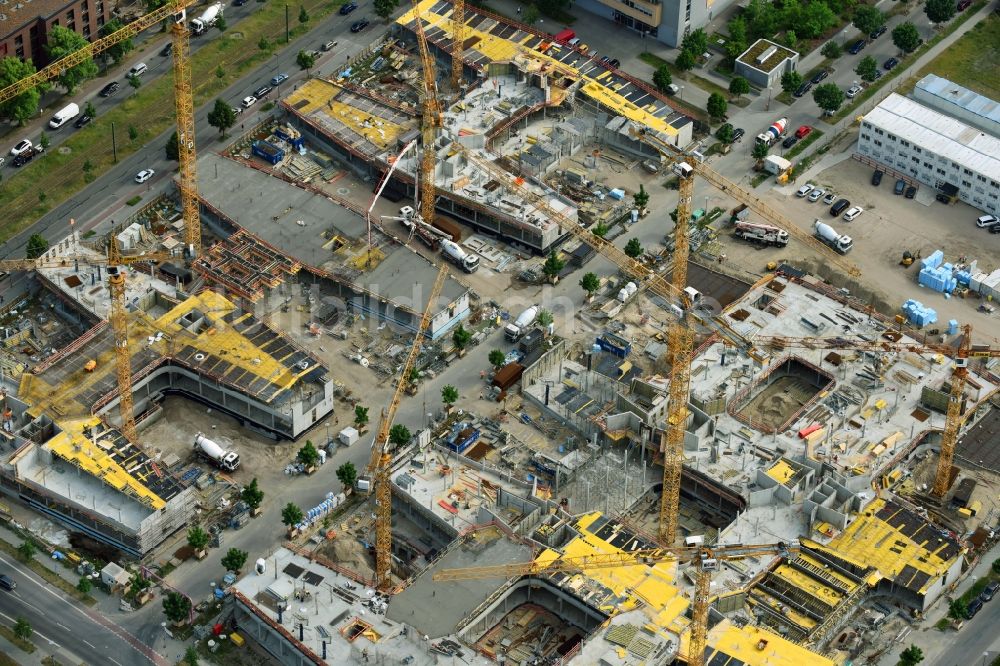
point(667, 21)
point(916, 142)
point(765, 62)
point(955, 100)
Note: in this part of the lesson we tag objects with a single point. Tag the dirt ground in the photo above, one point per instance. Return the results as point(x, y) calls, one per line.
point(889, 225)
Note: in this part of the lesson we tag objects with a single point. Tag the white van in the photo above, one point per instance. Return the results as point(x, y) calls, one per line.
point(64, 115)
point(138, 70)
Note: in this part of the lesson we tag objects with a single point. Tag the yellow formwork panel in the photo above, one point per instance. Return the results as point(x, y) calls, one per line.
point(72, 446)
point(809, 585)
point(840, 578)
point(781, 472)
point(756, 647)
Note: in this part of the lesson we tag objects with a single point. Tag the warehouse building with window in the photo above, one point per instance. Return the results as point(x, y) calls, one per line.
point(918, 143)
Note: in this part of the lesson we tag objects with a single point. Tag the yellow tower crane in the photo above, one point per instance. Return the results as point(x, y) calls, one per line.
point(183, 100)
point(705, 559)
point(458, 43)
point(953, 418)
point(379, 466)
point(430, 120)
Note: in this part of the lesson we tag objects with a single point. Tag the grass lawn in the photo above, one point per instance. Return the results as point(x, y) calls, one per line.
point(798, 148)
point(23, 645)
point(52, 577)
point(58, 175)
point(974, 60)
point(656, 61)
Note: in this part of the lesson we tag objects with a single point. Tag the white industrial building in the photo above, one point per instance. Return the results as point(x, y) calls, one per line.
point(664, 20)
point(966, 105)
point(920, 143)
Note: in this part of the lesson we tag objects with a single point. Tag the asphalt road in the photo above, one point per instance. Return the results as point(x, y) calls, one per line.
point(978, 638)
point(63, 627)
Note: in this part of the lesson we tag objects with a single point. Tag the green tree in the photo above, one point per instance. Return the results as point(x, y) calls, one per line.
point(600, 230)
point(939, 11)
point(84, 586)
point(553, 265)
point(133, 133)
point(906, 37)
point(867, 69)
point(360, 416)
point(44, 141)
point(449, 395)
point(172, 148)
point(791, 39)
point(116, 52)
point(219, 72)
point(817, 17)
point(545, 318)
point(197, 538)
point(291, 515)
point(739, 86)
point(633, 248)
point(531, 14)
point(191, 656)
point(461, 337)
point(60, 43)
point(695, 42)
point(347, 474)
point(716, 106)
point(222, 116)
point(24, 106)
point(958, 610)
point(760, 151)
point(996, 566)
point(685, 61)
point(308, 455)
point(737, 42)
point(790, 81)
point(497, 358)
point(385, 8)
point(303, 15)
point(725, 133)
point(590, 283)
point(252, 494)
point(911, 656)
point(134, 81)
point(399, 435)
point(220, 23)
point(641, 198)
point(234, 559)
point(176, 607)
point(263, 44)
point(89, 110)
point(868, 19)
point(662, 78)
point(22, 629)
point(832, 50)
point(553, 8)
point(828, 97)
point(37, 246)
point(305, 60)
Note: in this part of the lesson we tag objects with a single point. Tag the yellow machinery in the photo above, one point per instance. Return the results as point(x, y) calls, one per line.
point(429, 123)
point(706, 559)
point(174, 11)
point(954, 418)
point(381, 458)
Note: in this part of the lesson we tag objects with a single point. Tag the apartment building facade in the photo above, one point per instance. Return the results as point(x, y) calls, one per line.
point(666, 21)
point(25, 24)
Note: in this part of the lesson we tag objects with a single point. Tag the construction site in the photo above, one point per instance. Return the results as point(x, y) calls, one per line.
point(697, 465)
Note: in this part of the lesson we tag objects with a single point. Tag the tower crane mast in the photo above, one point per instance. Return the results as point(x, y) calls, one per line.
point(458, 43)
point(430, 120)
point(381, 457)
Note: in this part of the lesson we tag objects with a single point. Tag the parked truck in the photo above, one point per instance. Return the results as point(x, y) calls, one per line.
point(773, 133)
point(207, 19)
point(776, 165)
point(227, 460)
point(765, 234)
point(468, 261)
point(513, 332)
point(829, 235)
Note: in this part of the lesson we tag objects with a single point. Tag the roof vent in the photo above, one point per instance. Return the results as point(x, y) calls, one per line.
point(768, 52)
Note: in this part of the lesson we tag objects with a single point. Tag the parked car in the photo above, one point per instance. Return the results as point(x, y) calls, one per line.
point(348, 8)
point(7, 583)
point(890, 63)
point(877, 178)
point(819, 76)
point(82, 121)
point(803, 89)
point(239, 3)
point(900, 187)
point(25, 157)
point(329, 46)
point(358, 26)
point(110, 89)
point(789, 141)
point(990, 591)
point(877, 33)
point(275, 80)
point(22, 147)
point(974, 607)
point(987, 221)
point(262, 91)
point(857, 46)
point(803, 131)
point(144, 175)
point(237, 109)
point(248, 101)
point(911, 192)
point(853, 213)
point(167, 50)
point(738, 134)
point(942, 198)
point(853, 91)
point(830, 198)
point(805, 189)
point(878, 75)
point(995, 229)
point(816, 195)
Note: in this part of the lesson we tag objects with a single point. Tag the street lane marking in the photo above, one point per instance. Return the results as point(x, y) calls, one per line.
point(34, 632)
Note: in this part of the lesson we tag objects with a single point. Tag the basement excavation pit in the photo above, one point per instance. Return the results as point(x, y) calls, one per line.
point(778, 397)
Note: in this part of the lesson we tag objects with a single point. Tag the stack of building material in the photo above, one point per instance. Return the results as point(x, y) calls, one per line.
point(986, 284)
point(918, 314)
point(937, 275)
